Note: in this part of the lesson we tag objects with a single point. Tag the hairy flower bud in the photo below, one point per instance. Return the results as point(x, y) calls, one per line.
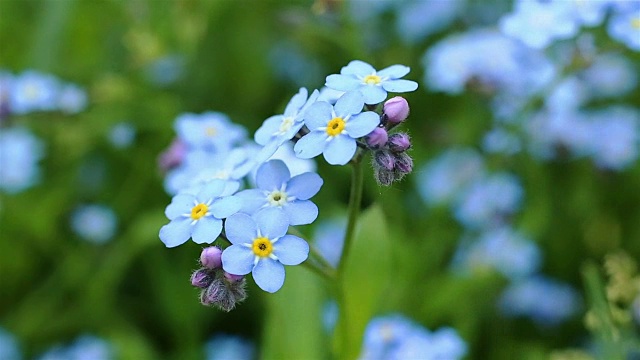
point(211, 257)
point(384, 159)
point(377, 138)
point(396, 109)
point(201, 278)
point(384, 177)
point(233, 278)
point(399, 142)
point(403, 163)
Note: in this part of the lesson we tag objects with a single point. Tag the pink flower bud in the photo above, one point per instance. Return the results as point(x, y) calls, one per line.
point(384, 159)
point(396, 109)
point(201, 279)
point(211, 257)
point(377, 138)
point(404, 163)
point(399, 142)
point(233, 278)
point(173, 156)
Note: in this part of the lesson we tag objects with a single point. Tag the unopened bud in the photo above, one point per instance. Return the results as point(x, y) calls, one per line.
point(233, 278)
point(377, 138)
point(173, 156)
point(384, 177)
point(396, 109)
point(384, 159)
point(404, 163)
point(399, 142)
point(211, 257)
point(201, 278)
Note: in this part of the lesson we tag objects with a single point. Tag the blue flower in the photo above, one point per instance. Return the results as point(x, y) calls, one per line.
point(94, 223)
point(21, 151)
point(9, 347)
point(329, 239)
point(624, 26)
point(122, 135)
point(210, 130)
point(229, 347)
point(199, 216)
point(33, 91)
point(374, 85)
point(334, 129)
point(72, 99)
point(280, 128)
point(261, 246)
point(85, 347)
point(288, 195)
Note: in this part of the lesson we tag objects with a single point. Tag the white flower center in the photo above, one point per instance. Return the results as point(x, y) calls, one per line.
point(286, 124)
point(277, 198)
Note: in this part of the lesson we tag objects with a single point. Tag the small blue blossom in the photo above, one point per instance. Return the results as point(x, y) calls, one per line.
point(610, 75)
point(229, 347)
point(122, 135)
point(210, 131)
point(278, 190)
point(278, 129)
point(200, 216)
point(334, 129)
point(500, 140)
point(261, 246)
point(590, 12)
point(615, 133)
point(86, 347)
point(374, 85)
point(9, 348)
point(166, 70)
point(329, 239)
point(72, 99)
point(94, 223)
point(410, 23)
point(624, 26)
point(296, 165)
point(20, 152)
point(33, 91)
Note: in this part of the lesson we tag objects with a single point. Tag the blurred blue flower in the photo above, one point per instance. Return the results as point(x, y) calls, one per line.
point(487, 200)
point(410, 23)
point(122, 135)
point(503, 249)
point(442, 178)
point(443, 344)
point(290, 62)
point(546, 301)
point(229, 347)
point(94, 223)
point(9, 347)
point(210, 131)
point(374, 85)
point(590, 13)
point(33, 91)
point(86, 347)
point(261, 246)
point(334, 129)
point(199, 216)
point(610, 75)
point(21, 151)
point(614, 137)
point(501, 141)
point(278, 129)
point(550, 132)
point(330, 315)
point(329, 239)
point(624, 25)
point(289, 195)
point(166, 70)
point(538, 23)
point(71, 99)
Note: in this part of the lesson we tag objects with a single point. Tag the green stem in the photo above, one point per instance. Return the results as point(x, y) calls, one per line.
point(322, 266)
point(355, 198)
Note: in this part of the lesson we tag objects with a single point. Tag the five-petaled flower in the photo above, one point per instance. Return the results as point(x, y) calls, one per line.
point(334, 129)
point(199, 216)
point(374, 85)
point(260, 246)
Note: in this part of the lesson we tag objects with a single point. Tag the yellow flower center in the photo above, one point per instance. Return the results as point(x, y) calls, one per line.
point(210, 131)
point(262, 246)
point(635, 23)
point(199, 211)
point(335, 126)
point(371, 80)
point(285, 125)
point(277, 198)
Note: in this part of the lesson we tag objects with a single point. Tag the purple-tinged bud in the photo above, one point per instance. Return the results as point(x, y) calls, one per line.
point(173, 156)
point(384, 177)
point(404, 163)
point(377, 138)
point(233, 278)
point(384, 159)
point(211, 257)
point(396, 109)
point(201, 278)
point(399, 142)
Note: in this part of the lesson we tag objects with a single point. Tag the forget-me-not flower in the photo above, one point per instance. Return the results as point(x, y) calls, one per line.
point(289, 195)
point(210, 130)
point(261, 247)
point(334, 129)
point(374, 85)
point(20, 152)
point(199, 216)
point(624, 26)
point(280, 128)
point(83, 348)
point(9, 347)
point(94, 223)
point(229, 347)
point(33, 91)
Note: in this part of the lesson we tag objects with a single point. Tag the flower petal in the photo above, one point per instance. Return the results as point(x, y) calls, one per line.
point(358, 67)
point(399, 86)
point(291, 250)
point(394, 71)
point(237, 260)
point(311, 145)
point(342, 82)
point(318, 115)
point(210, 190)
point(180, 204)
point(362, 124)
point(268, 128)
point(272, 222)
point(272, 175)
point(268, 274)
point(230, 187)
point(304, 186)
point(206, 230)
point(301, 212)
point(349, 103)
point(373, 94)
point(240, 229)
point(177, 232)
point(224, 207)
point(252, 200)
point(296, 102)
point(340, 150)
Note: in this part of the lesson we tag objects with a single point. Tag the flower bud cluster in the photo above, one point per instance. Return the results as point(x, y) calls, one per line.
point(218, 288)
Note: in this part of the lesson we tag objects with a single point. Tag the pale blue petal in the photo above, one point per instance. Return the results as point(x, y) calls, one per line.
point(180, 204)
point(394, 71)
point(210, 190)
point(301, 212)
point(206, 230)
point(240, 229)
point(237, 260)
point(304, 186)
point(177, 232)
point(399, 86)
point(311, 145)
point(362, 124)
point(230, 187)
point(318, 115)
point(268, 128)
point(349, 103)
point(267, 151)
point(252, 200)
point(359, 68)
point(340, 150)
point(272, 222)
point(291, 250)
point(224, 207)
point(272, 175)
point(342, 82)
point(373, 94)
point(268, 275)
point(296, 102)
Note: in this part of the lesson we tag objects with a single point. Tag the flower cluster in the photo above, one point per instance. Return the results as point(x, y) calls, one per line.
point(227, 187)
